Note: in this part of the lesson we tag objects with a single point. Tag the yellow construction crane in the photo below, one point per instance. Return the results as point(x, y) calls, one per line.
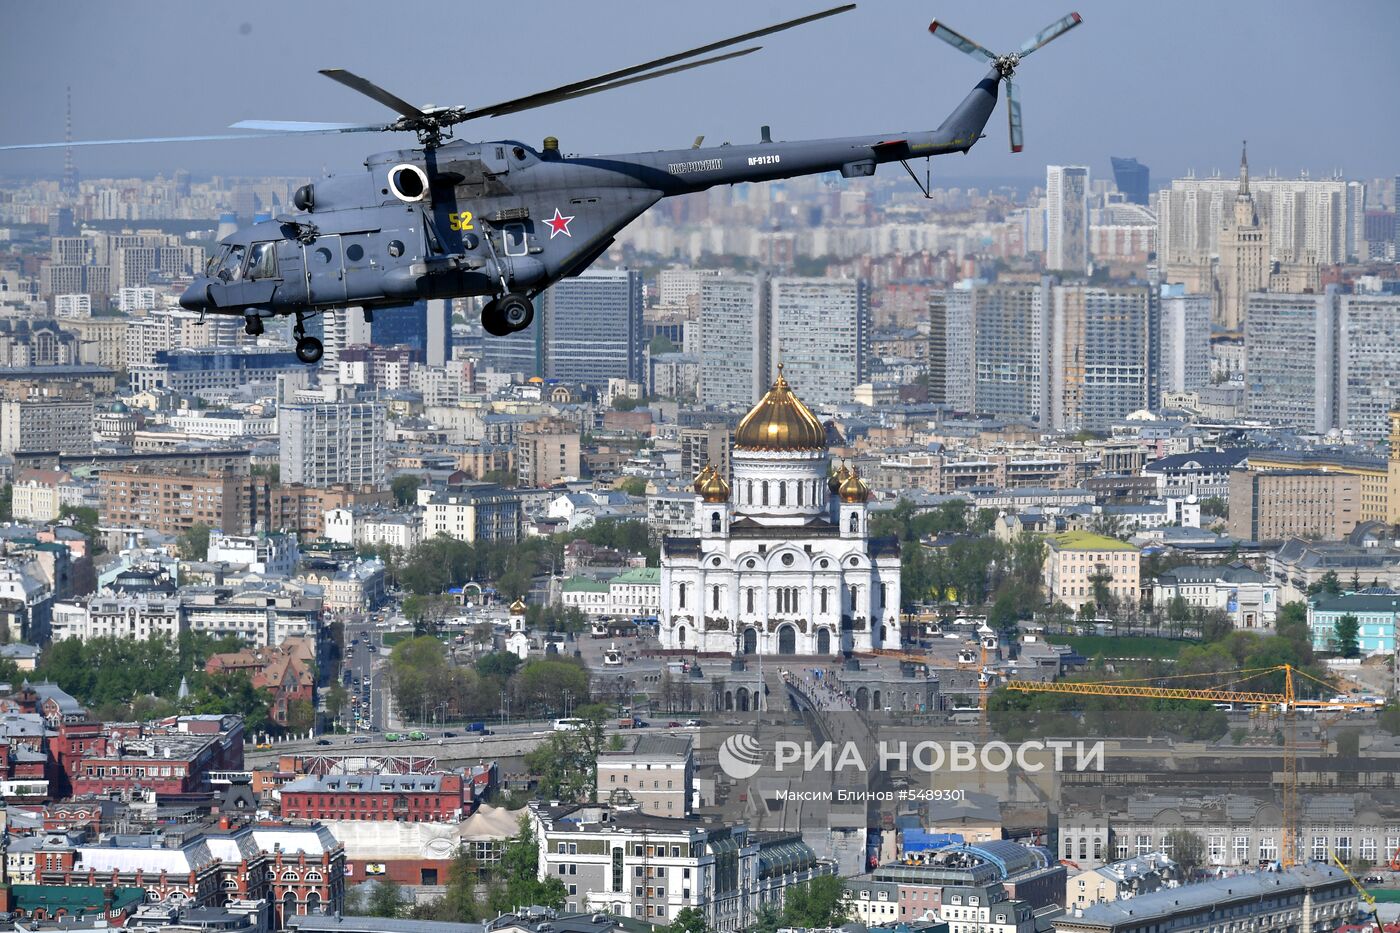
point(1360, 890)
point(1287, 701)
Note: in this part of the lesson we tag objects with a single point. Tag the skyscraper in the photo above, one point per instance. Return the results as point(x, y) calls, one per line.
point(1067, 218)
point(425, 326)
point(734, 339)
point(1184, 364)
point(1288, 341)
point(520, 352)
point(821, 334)
point(1099, 343)
point(937, 347)
point(1244, 254)
point(593, 327)
point(1131, 177)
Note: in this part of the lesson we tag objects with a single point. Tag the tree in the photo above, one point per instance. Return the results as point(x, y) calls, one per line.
point(817, 903)
point(1349, 743)
point(336, 695)
point(1390, 718)
point(83, 518)
point(634, 486)
point(405, 488)
point(1187, 849)
point(387, 899)
point(1346, 634)
point(1328, 585)
point(7, 502)
point(517, 876)
point(662, 344)
point(301, 716)
point(459, 902)
point(625, 403)
point(194, 543)
point(768, 919)
point(688, 920)
point(1215, 507)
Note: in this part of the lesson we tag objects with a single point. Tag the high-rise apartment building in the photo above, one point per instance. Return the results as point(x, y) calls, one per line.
point(1099, 349)
point(734, 326)
point(329, 435)
point(231, 501)
point(1367, 363)
point(1067, 218)
point(593, 327)
point(1288, 341)
point(938, 347)
point(958, 385)
point(1009, 331)
point(681, 286)
point(821, 335)
point(1184, 341)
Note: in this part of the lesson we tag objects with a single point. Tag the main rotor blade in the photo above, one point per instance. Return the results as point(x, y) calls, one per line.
point(542, 98)
point(1056, 29)
point(959, 41)
point(1013, 116)
point(639, 78)
point(301, 126)
point(372, 91)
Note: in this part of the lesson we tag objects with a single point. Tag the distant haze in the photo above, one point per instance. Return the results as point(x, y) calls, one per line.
point(1176, 84)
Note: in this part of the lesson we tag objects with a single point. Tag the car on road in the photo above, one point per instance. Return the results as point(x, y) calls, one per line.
point(694, 722)
point(263, 745)
point(323, 741)
point(449, 735)
point(361, 740)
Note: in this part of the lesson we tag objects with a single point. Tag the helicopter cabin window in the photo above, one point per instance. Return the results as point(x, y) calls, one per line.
point(216, 260)
point(516, 243)
point(231, 266)
point(262, 261)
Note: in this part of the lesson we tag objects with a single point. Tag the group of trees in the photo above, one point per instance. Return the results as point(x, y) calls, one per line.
point(438, 564)
point(125, 678)
point(427, 684)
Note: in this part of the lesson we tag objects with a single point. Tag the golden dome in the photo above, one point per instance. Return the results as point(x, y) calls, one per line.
point(711, 485)
point(780, 422)
point(854, 489)
point(517, 608)
point(837, 477)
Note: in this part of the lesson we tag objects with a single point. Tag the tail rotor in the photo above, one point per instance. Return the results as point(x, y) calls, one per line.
point(1007, 64)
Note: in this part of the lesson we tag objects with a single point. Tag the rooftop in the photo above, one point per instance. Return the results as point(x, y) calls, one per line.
point(1087, 541)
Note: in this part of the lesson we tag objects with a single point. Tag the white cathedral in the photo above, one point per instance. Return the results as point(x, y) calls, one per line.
point(782, 562)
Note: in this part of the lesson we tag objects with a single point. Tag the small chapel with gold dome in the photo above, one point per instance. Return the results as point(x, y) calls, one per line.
point(781, 561)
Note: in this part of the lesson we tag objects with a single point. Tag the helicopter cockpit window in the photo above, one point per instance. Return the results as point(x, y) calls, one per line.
point(216, 260)
point(262, 262)
point(231, 266)
point(519, 153)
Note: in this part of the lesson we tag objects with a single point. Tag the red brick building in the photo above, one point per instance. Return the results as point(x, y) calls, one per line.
point(169, 756)
point(408, 798)
point(287, 672)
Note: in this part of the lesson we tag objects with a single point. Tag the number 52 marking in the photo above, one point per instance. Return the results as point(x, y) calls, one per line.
point(461, 221)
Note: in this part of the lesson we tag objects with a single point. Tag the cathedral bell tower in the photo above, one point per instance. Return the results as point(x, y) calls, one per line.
point(854, 512)
point(712, 512)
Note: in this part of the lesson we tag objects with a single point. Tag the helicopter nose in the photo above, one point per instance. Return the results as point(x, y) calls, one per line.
point(196, 297)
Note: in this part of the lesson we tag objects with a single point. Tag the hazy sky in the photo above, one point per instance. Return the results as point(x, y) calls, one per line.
point(1177, 84)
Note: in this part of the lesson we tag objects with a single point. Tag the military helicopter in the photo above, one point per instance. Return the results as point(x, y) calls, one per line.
point(453, 218)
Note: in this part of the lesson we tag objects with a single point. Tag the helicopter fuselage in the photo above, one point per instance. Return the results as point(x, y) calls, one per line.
point(501, 218)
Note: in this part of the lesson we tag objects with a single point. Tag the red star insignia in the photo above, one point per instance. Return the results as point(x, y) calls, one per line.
point(559, 224)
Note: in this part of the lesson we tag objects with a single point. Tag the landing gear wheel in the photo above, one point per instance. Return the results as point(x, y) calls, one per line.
point(309, 350)
point(492, 320)
point(253, 325)
point(516, 310)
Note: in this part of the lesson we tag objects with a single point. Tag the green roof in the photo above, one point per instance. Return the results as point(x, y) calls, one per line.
point(584, 585)
point(1088, 541)
point(72, 899)
point(642, 575)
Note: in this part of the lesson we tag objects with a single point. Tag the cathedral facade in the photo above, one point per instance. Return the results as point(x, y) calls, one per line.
point(781, 561)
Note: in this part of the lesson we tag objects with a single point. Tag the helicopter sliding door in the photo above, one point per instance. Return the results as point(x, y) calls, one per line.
point(364, 277)
point(325, 270)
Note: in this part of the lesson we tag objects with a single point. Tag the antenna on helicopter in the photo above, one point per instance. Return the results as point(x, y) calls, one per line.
point(1007, 64)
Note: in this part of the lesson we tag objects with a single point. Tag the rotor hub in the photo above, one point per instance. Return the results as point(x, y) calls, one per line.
point(1006, 64)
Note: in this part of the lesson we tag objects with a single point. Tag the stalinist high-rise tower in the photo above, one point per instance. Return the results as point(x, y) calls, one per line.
point(1244, 255)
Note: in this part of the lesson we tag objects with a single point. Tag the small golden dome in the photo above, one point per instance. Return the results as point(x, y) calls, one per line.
point(517, 608)
point(780, 422)
point(711, 486)
point(837, 477)
point(854, 489)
